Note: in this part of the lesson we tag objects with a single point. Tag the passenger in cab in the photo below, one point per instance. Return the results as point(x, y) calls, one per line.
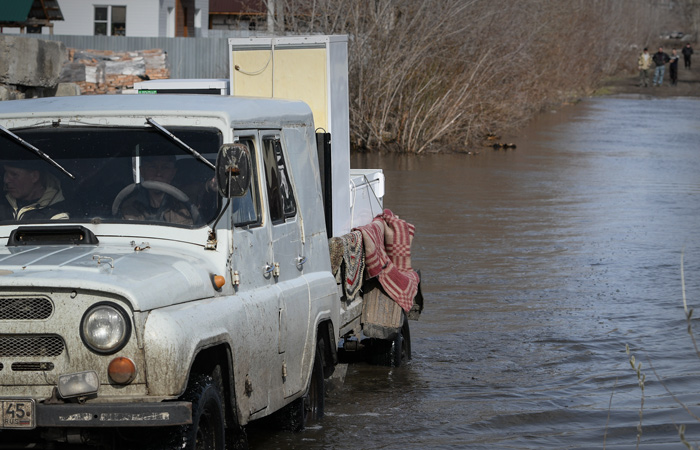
point(31, 193)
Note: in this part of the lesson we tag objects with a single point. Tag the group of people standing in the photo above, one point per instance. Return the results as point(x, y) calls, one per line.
point(660, 59)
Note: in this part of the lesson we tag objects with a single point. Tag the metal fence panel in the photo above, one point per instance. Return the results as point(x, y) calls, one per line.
point(187, 57)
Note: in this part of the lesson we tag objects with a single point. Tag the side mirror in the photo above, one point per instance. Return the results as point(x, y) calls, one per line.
point(233, 170)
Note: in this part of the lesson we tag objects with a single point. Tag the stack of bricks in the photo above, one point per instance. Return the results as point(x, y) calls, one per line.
point(109, 72)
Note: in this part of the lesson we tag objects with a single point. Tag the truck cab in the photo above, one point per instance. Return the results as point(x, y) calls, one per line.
point(175, 266)
point(171, 264)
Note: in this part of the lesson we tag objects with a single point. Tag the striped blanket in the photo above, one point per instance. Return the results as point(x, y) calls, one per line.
point(387, 241)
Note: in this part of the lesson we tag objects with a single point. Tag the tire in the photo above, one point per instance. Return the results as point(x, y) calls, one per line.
point(392, 352)
point(308, 408)
point(406, 354)
point(236, 438)
point(314, 400)
point(207, 431)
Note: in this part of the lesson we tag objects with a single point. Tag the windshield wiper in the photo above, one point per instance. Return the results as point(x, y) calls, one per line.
point(175, 139)
point(38, 152)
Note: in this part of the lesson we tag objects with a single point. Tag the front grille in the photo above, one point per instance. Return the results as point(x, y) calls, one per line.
point(31, 345)
point(32, 366)
point(29, 308)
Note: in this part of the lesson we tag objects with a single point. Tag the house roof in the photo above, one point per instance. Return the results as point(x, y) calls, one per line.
point(28, 12)
point(46, 10)
point(16, 11)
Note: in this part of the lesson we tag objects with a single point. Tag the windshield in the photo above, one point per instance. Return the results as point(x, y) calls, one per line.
point(135, 175)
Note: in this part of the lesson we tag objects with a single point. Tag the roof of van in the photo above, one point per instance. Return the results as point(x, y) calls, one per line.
point(232, 109)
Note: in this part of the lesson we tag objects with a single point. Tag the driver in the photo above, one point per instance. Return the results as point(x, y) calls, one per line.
point(154, 205)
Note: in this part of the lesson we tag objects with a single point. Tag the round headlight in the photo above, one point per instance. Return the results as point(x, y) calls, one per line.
point(105, 328)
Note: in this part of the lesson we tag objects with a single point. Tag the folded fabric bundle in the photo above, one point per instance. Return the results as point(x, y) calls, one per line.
point(398, 237)
point(375, 253)
point(348, 262)
point(336, 249)
point(387, 242)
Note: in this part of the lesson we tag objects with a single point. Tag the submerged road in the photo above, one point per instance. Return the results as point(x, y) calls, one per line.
point(540, 265)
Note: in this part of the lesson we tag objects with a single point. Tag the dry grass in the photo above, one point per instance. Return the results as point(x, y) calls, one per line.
point(641, 378)
point(427, 75)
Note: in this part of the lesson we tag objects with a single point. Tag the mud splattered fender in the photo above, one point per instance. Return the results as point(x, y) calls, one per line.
point(174, 335)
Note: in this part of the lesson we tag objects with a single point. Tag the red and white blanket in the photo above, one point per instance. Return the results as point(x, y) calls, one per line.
point(387, 241)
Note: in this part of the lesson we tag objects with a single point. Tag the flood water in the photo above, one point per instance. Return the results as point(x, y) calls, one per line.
point(539, 266)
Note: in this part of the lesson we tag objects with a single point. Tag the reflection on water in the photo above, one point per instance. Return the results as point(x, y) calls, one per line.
point(539, 265)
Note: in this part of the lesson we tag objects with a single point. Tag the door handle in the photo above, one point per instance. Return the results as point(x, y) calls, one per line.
point(273, 269)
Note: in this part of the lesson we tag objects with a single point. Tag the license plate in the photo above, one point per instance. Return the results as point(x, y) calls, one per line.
point(17, 413)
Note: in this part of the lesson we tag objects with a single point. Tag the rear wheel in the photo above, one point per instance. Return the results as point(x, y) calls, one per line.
point(308, 408)
point(392, 352)
point(406, 344)
point(314, 400)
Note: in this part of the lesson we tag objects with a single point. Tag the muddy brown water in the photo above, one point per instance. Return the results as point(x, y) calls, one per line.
point(540, 265)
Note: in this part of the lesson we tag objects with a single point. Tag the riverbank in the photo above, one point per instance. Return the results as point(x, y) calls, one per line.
point(688, 84)
point(622, 85)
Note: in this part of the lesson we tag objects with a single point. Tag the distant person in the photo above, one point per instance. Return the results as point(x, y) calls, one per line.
point(673, 67)
point(31, 193)
point(687, 51)
point(644, 63)
point(660, 60)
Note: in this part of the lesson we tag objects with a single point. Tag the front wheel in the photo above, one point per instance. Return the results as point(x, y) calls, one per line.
point(207, 429)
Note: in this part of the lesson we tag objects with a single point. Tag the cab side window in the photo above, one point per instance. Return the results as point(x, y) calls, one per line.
point(279, 187)
point(246, 209)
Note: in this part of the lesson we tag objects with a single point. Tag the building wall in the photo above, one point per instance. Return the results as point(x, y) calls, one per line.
point(79, 15)
point(197, 9)
point(166, 18)
point(144, 18)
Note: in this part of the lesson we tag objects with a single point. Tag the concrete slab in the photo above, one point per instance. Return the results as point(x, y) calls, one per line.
point(31, 62)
